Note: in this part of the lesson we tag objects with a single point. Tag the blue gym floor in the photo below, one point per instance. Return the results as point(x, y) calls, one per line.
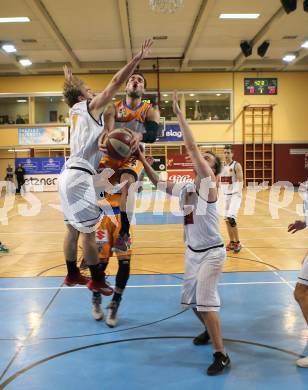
point(50, 341)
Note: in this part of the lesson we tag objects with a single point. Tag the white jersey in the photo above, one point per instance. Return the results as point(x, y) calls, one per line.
point(201, 221)
point(84, 135)
point(228, 179)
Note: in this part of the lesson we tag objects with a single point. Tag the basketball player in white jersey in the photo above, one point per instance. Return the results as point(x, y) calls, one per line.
point(301, 288)
point(231, 180)
point(76, 186)
point(205, 252)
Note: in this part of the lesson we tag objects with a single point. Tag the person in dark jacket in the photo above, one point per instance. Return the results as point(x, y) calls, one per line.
point(20, 177)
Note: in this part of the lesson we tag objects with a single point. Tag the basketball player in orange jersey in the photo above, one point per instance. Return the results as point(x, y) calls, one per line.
point(76, 186)
point(143, 120)
point(106, 235)
point(231, 182)
point(205, 253)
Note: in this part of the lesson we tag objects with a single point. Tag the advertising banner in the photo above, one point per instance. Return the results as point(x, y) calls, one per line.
point(171, 132)
point(179, 161)
point(41, 165)
point(43, 135)
point(181, 176)
point(159, 163)
point(41, 183)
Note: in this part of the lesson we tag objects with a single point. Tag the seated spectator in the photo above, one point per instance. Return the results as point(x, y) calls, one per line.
point(19, 120)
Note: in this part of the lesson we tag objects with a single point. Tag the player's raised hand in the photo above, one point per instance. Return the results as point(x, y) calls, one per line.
point(150, 160)
point(68, 73)
point(145, 49)
point(175, 103)
point(296, 226)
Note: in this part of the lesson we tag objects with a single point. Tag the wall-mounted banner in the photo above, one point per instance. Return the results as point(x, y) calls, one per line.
point(181, 176)
point(41, 183)
point(171, 132)
point(43, 135)
point(41, 165)
point(179, 161)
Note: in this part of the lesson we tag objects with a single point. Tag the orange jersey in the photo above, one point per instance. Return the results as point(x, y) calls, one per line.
point(132, 118)
point(109, 228)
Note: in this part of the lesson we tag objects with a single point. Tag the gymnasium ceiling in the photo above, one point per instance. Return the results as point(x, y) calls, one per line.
point(101, 35)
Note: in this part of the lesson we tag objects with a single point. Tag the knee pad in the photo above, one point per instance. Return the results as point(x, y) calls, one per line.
point(232, 221)
point(123, 274)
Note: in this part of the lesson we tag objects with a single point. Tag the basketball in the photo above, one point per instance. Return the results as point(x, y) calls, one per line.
point(118, 144)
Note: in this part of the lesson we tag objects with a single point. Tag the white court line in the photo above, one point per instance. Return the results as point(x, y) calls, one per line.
point(275, 204)
point(270, 268)
point(141, 286)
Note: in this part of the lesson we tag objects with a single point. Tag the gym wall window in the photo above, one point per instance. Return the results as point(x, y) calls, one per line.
point(208, 106)
point(14, 110)
point(50, 109)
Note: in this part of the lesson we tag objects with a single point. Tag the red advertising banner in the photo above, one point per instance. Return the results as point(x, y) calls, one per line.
point(181, 176)
point(179, 161)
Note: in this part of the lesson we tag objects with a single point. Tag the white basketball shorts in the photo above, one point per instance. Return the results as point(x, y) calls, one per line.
point(232, 205)
point(79, 200)
point(202, 273)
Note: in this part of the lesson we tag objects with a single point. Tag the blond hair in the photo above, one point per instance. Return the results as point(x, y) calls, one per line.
point(72, 91)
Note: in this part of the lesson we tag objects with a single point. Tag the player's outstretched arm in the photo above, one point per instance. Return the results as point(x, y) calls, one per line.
point(99, 101)
point(168, 186)
point(200, 164)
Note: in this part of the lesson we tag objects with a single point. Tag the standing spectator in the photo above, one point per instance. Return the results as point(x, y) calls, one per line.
point(9, 178)
point(61, 119)
point(9, 173)
point(20, 177)
point(19, 120)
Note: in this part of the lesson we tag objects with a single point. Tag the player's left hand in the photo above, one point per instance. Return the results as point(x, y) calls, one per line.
point(150, 160)
point(68, 73)
point(296, 226)
point(102, 144)
point(175, 104)
point(134, 144)
point(145, 49)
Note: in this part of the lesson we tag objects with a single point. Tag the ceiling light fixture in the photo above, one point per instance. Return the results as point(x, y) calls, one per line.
point(289, 57)
point(18, 150)
point(19, 19)
point(25, 62)
point(239, 16)
point(9, 48)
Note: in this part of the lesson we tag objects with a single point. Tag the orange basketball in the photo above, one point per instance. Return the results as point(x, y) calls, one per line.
point(118, 144)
